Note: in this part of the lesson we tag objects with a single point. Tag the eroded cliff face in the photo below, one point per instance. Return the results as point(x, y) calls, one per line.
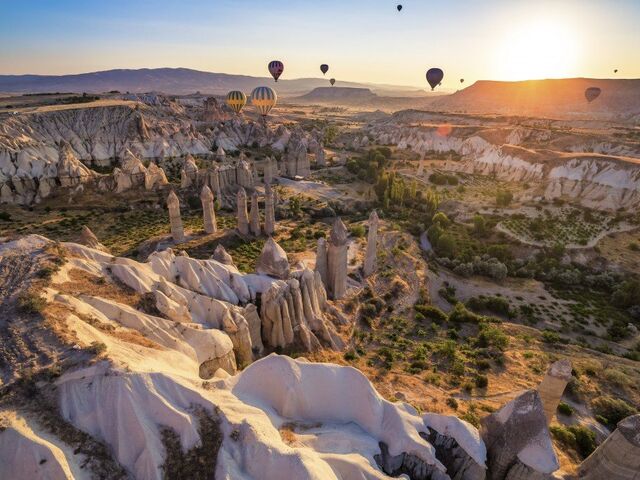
point(608, 179)
point(43, 151)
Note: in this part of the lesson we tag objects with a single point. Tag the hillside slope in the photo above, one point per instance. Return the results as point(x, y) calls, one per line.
point(562, 98)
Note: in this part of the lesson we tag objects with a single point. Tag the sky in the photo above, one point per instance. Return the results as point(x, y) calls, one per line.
point(361, 40)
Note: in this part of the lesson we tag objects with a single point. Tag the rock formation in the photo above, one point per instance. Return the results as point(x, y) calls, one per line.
point(88, 239)
point(372, 245)
point(321, 260)
point(208, 210)
point(189, 172)
point(177, 231)
point(268, 171)
point(518, 442)
point(273, 261)
point(618, 458)
point(154, 177)
point(337, 261)
point(254, 215)
point(269, 211)
point(552, 386)
point(221, 255)
point(242, 215)
point(321, 160)
point(296, 159)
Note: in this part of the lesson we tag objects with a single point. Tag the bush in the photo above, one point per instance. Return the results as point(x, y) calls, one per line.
point(452, 402)
point(578, 437)
point(612, 410)
point(432, 313)
point(565, 409)
point(493, 304)
point(503, 198)
point(482, 381)
point(31, 302)
point(357, 231)
point(6, 216)
point(460, 314)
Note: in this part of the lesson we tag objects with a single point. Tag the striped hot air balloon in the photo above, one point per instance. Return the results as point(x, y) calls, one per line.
point(236, 100)
point(264, 99)
point(276, 68)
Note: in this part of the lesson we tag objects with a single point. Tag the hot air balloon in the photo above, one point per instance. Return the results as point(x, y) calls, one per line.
point(592, 93)
point(399, 7)
point(276, 68)
point(324, 68)
point(264, 99)
point(462, 80)
point(236, 100)
point(332, 82)
point(434, 77)
point(615, 71)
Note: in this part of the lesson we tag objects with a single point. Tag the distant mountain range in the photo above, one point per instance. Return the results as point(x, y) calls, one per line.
point(179, 81)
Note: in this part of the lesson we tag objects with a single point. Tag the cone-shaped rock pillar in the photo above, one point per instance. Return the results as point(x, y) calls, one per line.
point(255, 215)
point(209, 213)
point(372, 245)
point(552, 386)
point(618, 458)
point(242, 215)
point(177, 231)
point(337, 260)
point(269, 211)
point(273, 261)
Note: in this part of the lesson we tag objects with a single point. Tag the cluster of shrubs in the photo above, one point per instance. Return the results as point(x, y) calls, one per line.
point(577, 437)
point(443, 179)
point(480, 265)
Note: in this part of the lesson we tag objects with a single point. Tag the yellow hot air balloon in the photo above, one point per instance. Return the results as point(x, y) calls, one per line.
point(264, 99)
point(236, 100)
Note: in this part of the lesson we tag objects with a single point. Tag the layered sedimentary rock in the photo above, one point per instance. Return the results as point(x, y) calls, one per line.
point(618, 458)
point(208, 210)
point(372, 245)
point(254, 215)
point(88, 238)
point(602, 175)
point(273, 260)
point(552, 386)
point(43, 151)
point(518, 442)
point(241, 212)
point(269, 211)
point(173, 204)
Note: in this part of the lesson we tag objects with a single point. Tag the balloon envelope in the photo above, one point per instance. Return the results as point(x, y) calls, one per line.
point(236, 100)
point(264, 99)
point(462, 80)
point(276, 67)
point(324, 68)
point(615, 71)
point(434, 77)
point(399, 7)
point(332, 82)
point(592, 93)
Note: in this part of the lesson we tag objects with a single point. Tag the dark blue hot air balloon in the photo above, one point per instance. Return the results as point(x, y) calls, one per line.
point(399, 7)
point(324, 68)
point(434, 77)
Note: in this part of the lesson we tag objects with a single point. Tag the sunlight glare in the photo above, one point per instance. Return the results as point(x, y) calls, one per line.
point(540, 48)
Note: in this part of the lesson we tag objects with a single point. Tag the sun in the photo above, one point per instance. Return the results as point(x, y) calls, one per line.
point(538, 48)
